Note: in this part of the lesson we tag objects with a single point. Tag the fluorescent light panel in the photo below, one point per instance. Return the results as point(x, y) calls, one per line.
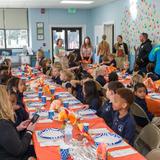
point(76, 2)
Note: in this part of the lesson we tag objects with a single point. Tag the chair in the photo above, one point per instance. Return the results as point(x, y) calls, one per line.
point(154, 154)
point(148, 139)
point(136, 110)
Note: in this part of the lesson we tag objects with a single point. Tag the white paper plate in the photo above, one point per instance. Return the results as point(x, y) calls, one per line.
point(51, 133)
point(97, 131)
point(31, 95)
point(72, 101)
point(35, 104)
point(87, 112)
point(107, 138)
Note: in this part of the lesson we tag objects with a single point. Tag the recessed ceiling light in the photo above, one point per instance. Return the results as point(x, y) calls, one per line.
point(76, 2)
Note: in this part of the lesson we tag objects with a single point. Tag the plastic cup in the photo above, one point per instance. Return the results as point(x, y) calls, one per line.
point(52, 90)
point(86, 127)
point(65, 104)
point(44, 99)
point(40, 93)
point(50, 114)
point(64, 151)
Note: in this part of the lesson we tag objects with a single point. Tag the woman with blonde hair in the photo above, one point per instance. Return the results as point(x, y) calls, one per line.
point(103, 48)
point(11, 146)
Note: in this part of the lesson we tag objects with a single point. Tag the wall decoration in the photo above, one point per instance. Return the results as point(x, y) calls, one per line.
point(40, 30)
point(147, 20)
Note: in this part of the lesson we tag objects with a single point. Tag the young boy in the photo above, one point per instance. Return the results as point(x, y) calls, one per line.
point(106, 111)
point(140, 92)
point(56, 68)
point(112, 61)
point(123, 122)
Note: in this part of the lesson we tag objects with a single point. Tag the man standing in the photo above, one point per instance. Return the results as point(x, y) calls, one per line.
point(143, 52)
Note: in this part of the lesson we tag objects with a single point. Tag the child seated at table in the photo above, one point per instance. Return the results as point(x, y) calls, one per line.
point(66, 76)
point(78, 85)
point(137, 78)
point(112, 77)
point(106, 111)
point(112, 61)
point(55, 74)
point(150, 72)
point(140, 92)
point(91, 95)
point(123, 122)
point(99, 75)
point(46, 66)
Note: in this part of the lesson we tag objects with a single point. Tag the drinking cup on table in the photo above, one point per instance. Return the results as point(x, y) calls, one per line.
point(65, 104)
point(50, 114)
point(52, 90)
point(40, 93)
point(86, 127)
point(44, 99)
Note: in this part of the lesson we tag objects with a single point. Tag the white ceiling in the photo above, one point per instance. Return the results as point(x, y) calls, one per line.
point(47, 4)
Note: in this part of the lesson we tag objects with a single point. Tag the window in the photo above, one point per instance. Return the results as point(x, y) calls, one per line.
point(14, 28)
point(2, 43)
point(16, 38)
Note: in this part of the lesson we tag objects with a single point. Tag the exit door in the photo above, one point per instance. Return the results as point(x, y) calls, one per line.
point(72, 38)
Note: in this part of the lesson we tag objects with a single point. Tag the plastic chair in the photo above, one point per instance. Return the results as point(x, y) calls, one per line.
point(148, 139)
point(154, 154)
point(136, 110)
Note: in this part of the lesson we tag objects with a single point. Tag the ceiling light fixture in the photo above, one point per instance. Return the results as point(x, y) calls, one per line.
point(76, 2)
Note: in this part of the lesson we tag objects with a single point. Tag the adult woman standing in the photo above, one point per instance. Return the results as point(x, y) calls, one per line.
point(121, 50)
point(86, 50)
point(59, 51)
point(103, 48)
point(11, 146)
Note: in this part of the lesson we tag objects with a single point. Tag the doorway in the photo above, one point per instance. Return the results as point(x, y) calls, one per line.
point(71, 36)
point(109, 32)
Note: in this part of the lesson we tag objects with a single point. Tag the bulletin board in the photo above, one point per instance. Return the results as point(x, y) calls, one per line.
point(148, 20)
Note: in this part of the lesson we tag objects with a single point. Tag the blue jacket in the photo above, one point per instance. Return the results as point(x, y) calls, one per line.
point(154, 56)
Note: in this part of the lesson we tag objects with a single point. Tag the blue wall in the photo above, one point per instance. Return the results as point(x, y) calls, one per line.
point(55, 17)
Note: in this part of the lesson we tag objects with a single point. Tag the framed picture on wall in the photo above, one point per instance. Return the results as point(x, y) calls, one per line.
point(40, 30)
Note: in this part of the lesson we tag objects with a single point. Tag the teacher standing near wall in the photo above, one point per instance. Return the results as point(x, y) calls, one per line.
point(86, 50)
point(59, 51)
point(103, 48)
point(121, 50)
point(143, 52)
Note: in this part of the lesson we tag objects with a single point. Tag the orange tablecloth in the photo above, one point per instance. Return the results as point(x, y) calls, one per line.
point(153, 105)
point(52, 153)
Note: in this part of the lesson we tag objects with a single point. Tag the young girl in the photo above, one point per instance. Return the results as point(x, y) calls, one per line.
point(66, 76)
point(91, 95)
point(39, 58)
point(56, 68)
point(46, 66)
point(8, 63)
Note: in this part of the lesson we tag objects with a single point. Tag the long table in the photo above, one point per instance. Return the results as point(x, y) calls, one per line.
point(52, 152)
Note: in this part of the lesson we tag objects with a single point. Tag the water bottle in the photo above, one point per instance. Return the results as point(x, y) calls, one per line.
point(68, 133)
